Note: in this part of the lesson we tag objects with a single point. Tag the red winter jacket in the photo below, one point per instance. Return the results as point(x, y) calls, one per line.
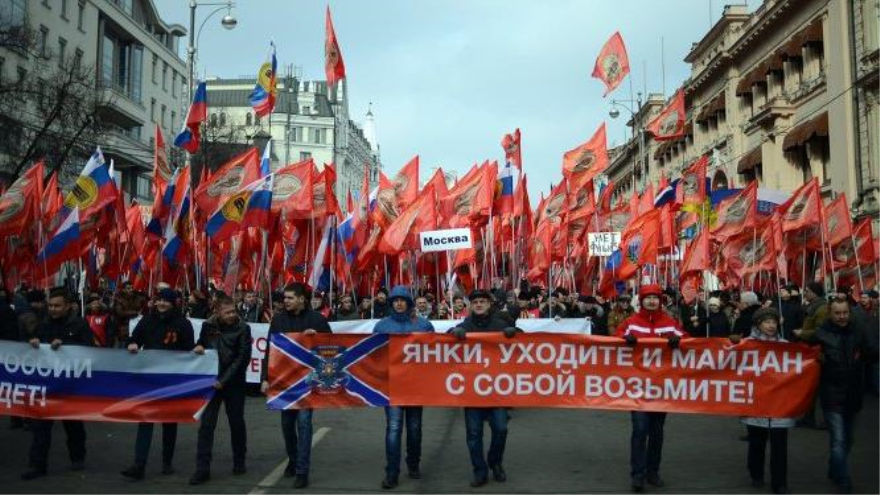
point(646, 323)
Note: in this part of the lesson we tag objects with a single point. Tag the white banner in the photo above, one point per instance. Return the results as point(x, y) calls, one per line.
point(603, 243)
point(445, 240)
point(260, 333)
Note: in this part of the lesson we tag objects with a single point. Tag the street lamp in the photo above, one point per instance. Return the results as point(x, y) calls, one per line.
point(229, 22)
point(637, 124)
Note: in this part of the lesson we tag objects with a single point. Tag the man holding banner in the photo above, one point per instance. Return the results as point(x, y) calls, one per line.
point(296, 424)
point(646, 442)
point(482, 319)
point(402, 320)
point(61, 327)
point(231, 337)
point(165, 328)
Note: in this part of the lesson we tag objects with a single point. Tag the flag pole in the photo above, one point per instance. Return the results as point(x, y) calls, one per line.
point(826, 245)
point(858, 264)
point(804, 266)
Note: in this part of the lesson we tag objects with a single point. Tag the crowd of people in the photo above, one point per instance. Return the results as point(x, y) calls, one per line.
point(844, 324)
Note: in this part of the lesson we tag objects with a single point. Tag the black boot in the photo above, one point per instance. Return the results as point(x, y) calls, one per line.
point(200, 477)
point(33, 473)
point(135, 472)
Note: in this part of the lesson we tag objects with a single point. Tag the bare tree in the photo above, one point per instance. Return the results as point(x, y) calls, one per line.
point(51, 112)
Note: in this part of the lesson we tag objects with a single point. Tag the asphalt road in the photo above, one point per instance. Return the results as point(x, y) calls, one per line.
point(548, 450)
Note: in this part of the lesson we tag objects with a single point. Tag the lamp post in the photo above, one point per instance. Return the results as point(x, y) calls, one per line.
point(229, 22)
point(637, 124)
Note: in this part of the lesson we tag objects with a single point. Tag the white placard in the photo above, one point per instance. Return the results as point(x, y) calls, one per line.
point(445, 240)
point(603, 243)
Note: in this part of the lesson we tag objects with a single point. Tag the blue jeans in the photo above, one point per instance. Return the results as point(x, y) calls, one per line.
point(473, 420)
point(296, 426)
point(646, 443)
point(396, 416)
point(840, 433)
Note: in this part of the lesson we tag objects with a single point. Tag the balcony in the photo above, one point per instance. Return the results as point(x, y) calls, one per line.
point(806, 88)
point(127, 151)
point(120, 108)
point(777, 107)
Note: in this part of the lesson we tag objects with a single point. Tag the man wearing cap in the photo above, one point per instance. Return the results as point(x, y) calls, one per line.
point(748, 304)
point(402, 320)
point(61, 327)
point(166, 329)
point(713, 324)
point(482, 319)
point(380, 305)
point(296, 424)
point(589, 307)
point(646, 443)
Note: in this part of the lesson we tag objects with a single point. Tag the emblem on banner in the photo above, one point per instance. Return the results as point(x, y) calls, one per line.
point(83, 194)
point(328, 377)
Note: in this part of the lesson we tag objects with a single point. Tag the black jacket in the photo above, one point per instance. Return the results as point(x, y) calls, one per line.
point(9, 329)
point(233, 346)
point(743, 324)
point(72, 330)
point(169, 331)
point(288, 322)
point(493, 322)
point(793, 317)
point(844, 353)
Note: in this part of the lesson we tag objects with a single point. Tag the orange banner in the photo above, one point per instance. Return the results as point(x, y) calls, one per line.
point(707, 376)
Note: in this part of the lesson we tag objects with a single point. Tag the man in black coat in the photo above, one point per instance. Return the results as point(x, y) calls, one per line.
point(167, 329)
point(483, 319)
point(296, 424)
point(61, 327)
point(231, 338)
point(845, 349)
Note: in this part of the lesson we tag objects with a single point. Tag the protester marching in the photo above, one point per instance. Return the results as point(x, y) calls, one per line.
point(253, 280)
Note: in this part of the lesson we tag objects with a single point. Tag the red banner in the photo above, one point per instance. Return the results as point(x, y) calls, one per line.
point(708, 376)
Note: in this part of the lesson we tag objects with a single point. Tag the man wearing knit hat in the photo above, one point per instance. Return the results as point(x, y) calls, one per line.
point(646, 443)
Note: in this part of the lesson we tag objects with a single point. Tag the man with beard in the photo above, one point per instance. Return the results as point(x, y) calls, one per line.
point(126, 305)
point(61, 327)
point(226, 333)
point(482, 319)
point(167, 329)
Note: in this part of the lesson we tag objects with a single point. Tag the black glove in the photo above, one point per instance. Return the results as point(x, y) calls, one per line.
point(630, 339)
point(674, 341)
point(509, 332)
point(458, 332)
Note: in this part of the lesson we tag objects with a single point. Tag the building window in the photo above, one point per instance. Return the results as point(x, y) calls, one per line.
point(257, 119)
point(81, 14)
point(77, 60)
point(174, 84)
point(46, 4)
point(62, 51)
point(43, 47)
point(307, 110)
point(304, 155)
point(137, 63)
point(222, 119)
point(108, 50)
point(14, 13)
point(248, 119)
point(163, 117)
point(143, 186)
point(317, 136)
point(153, 110)
point(155, 68)
point(213, 120)
point(164, 76)
point(64, 10)
point(173, 120)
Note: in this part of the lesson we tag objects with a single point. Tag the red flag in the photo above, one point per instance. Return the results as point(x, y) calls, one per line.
point(838, 223)
point(512, 149)
point(669, 123)
point(386, 209)
point(472, 196)
point(697, 257)
point(421, 216)
point(438, 182)
point(692, 186)
point(406, 183)
point(161, 169)
point(293, 189)
point(19, 203)
point(736, 213)
point(639, 243)
point(53, 203)
point(333, 65)
point(668, 239)
point(751, 251)
point(646, 201)
point(555, 206)
point(803, 208)
point(604, 203)
point(238, 172)
point(612, 64)
point(590, 158)
point(540, 249)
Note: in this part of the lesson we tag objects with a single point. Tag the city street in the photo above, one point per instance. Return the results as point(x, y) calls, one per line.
point(551, 450)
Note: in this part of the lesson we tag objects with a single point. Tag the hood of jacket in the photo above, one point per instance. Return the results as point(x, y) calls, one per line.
point(400, 292)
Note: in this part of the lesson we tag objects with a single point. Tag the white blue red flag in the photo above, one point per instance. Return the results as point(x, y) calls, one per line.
point(190, 135)
point(63, 246)
point(263, 96)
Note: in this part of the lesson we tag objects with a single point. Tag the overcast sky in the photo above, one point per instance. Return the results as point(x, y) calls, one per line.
point(447, 79)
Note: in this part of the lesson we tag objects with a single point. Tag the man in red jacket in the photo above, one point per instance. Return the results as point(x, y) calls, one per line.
point(646, 442)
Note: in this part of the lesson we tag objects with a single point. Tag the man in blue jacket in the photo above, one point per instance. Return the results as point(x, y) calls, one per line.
point(402, 320)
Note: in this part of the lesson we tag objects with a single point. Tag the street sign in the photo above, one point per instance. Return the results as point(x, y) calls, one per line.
point(445, 240)
point(603, 243)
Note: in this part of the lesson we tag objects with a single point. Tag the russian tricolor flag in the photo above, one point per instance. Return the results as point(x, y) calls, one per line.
point(190, 135)
point(63, 246)
point(174, 249)
point(94, 188)
point(263, 96)
point(506, 179)
point(346, 231)
point(319, 279)
point(259, 205)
